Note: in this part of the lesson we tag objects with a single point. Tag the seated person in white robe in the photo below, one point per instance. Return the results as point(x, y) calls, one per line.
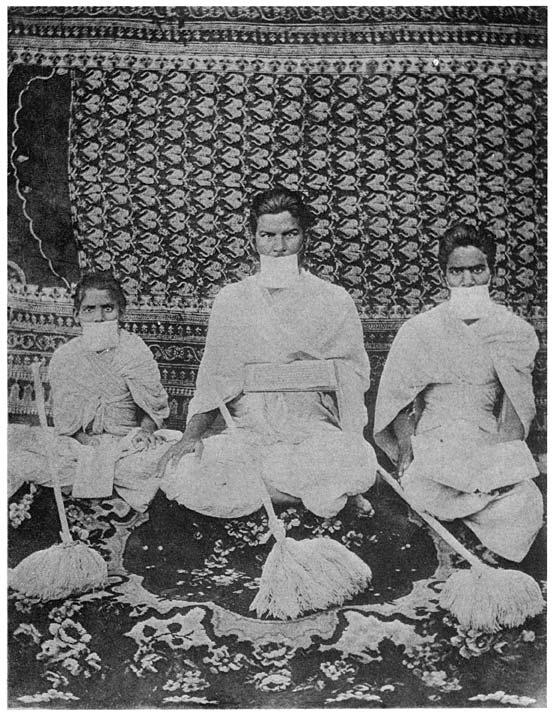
point(295, 441)
point(109, 406)
point(455, 404)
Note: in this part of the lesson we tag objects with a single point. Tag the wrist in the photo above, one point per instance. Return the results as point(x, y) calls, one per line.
point(404, 444)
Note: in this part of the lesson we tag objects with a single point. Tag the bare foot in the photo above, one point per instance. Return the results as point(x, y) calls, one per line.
point(486, 555)
point(279, 498)
point(362, 505)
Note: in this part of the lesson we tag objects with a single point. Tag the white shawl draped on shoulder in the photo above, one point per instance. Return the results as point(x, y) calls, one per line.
point(98, 393)
point(461, 467)
point(312, 319)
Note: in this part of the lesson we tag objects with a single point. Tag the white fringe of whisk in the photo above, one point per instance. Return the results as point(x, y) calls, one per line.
point(488, 599)
point(59, 571)
point(314, 574)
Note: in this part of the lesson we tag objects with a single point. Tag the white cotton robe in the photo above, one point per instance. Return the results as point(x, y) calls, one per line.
point(98, 393)
point(295, 441)
point(459, 374)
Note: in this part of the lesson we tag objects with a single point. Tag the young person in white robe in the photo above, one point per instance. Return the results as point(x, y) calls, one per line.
point(455, 404)
point(296, 441)
point(108, 404)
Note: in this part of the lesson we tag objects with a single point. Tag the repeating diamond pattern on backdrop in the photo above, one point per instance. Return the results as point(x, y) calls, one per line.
point(164, 164)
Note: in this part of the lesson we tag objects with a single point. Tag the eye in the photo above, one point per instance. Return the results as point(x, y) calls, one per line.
point(109, 308)
point(478, 269)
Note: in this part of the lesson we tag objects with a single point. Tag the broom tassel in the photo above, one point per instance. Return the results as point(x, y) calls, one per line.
point(277, 528)
point(300, 576)
point(432, 522)
point(66, 568)
point(41, 409)
point(481, 597)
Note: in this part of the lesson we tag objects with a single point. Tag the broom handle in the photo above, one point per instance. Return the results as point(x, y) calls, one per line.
point(274, 522)
point(432, 522)
point(41, 409)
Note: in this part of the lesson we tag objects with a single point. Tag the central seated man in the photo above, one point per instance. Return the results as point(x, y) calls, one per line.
point(299, 443)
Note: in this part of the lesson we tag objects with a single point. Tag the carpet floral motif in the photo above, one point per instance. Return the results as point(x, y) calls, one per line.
point(173, 629)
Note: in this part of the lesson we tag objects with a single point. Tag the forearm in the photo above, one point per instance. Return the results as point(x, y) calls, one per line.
point(81, 437)
point(148, 424)
point(199, 424)
point(510, 426)
point(404, 427)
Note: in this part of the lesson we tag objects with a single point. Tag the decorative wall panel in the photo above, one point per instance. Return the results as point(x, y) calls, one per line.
point(393, 121)
point(163, 165)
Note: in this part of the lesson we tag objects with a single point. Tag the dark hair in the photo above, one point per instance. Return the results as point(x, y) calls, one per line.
point(278, 200)
point(462, 235)
point(99, 280)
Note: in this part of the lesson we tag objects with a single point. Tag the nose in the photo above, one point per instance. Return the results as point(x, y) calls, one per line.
point(98, 314)
point(279, 245)
point(468, 279)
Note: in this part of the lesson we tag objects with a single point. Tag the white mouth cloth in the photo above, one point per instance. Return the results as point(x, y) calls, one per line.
point(470, 303)
point(98, 336)
point(281, 272)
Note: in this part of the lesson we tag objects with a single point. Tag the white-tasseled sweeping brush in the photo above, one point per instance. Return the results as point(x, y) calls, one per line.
point(302, 576)
point(481, 597)
point(64, 569)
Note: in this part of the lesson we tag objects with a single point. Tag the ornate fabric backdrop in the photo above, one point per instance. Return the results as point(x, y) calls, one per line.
point(162, 166)
point(139, 135)
point(393, 121)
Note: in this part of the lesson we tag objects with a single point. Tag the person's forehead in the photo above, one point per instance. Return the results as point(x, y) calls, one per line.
point(277, 221)
point(466, 257)
point(94, 296)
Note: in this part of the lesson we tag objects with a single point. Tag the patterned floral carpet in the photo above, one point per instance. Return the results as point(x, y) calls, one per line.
point(173, 627)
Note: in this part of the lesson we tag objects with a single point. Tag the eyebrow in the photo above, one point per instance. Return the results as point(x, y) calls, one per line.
point(105, 304)
point(468, 267)
point(271, 233)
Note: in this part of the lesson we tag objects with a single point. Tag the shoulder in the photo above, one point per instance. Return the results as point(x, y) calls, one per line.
point(66, 350)
point(327, 289)
point(229, 307)
point(64, 356)
point(229, 302)
point(232, 291)
point(514, 324)
point(128, 340)
point(423, 322)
